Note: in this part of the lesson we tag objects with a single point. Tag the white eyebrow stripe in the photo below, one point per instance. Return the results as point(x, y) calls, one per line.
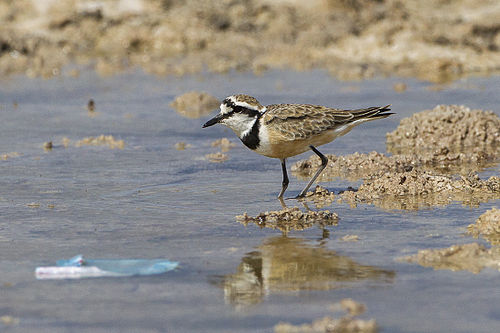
point(244, 104)
point(248, 106)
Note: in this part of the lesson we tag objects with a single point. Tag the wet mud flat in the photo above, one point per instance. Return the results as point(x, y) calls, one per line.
point(130, 175)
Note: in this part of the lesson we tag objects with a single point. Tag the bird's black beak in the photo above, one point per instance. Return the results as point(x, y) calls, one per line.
point(213, 121)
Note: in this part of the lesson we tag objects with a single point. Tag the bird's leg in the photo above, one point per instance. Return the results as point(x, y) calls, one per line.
point(324, 162)
point(285, 182)
point(282, 202)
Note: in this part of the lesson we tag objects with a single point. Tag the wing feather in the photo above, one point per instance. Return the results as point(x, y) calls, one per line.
point(300, 121)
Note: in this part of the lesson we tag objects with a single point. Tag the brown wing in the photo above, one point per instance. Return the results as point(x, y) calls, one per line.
point(300, 121)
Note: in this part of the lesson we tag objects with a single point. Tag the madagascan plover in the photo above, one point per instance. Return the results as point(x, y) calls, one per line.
point(285, 130)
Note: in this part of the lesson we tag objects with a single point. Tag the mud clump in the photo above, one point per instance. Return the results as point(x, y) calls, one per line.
point(195, 104)
point(399, 87)
point(47, 146)
point(350, 238)
point(329, 324)
point(65, 142)
point(289, 219)
point(9, 320)
point(224, 144)
point(345, 324)
point(352, 307)
point(351, 39)
point(446, 127)
point(471, 257)
point(102, 140)
point(487, 226)
point(182, 145)
point(6, 156)
point(217, 157)
point(321, 196)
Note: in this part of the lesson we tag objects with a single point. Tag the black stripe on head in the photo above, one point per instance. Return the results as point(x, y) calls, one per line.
point(239, 109)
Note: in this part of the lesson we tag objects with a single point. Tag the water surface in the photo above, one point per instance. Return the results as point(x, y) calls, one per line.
point(150, 200)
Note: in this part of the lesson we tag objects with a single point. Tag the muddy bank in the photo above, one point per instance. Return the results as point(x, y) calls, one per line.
point(471, 257)
point(418, 189)
point(357, 166)
point(435, 41)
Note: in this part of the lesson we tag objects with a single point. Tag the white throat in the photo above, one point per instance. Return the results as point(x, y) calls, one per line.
point(241, 124)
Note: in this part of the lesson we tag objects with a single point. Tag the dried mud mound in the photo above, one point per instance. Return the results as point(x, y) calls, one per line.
point(289, 219)
point(471, 257)
point(433, 40)
point(446, 127)
point(195, 104)
point(487, 226)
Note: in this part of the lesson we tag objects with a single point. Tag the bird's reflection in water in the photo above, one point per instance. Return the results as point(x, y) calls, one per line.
point(292, 264)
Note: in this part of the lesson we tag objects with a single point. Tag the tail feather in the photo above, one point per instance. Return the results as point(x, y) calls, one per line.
point(377, 112)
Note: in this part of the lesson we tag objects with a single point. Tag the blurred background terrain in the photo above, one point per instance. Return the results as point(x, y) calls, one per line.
point(434, 40)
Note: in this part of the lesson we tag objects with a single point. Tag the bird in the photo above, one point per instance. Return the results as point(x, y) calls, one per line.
point(285, 130)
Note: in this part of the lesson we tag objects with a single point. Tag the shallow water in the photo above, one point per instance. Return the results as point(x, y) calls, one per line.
point(150, 200)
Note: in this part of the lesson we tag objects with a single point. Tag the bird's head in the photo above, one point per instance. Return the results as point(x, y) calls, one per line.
point(239, 113)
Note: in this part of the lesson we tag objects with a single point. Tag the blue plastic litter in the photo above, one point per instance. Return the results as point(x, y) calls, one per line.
point(79, 267)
